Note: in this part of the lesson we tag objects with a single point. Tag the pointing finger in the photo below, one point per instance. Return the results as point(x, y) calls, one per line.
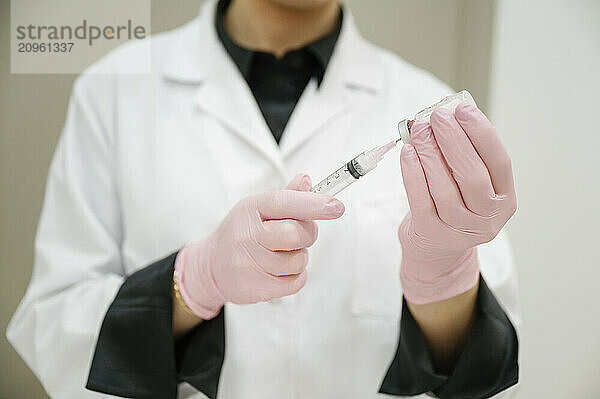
point(300, 205)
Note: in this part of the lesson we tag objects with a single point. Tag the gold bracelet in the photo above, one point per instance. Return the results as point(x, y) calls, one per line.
point(179, 297)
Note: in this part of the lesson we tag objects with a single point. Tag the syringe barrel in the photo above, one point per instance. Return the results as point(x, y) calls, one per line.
point(358, 166)
point(450, 103)
point(335, 182)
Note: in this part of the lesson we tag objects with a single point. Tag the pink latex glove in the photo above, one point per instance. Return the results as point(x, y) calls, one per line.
point(460, 189)
point(258, 252)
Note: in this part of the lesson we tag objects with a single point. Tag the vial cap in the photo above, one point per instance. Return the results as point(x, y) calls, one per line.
point(404, 130)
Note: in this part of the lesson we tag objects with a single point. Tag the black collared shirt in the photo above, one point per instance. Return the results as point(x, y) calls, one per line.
point(278, 83)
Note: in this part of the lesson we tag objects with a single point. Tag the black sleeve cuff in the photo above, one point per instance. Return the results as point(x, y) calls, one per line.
point(136, 355)
point(487, 365)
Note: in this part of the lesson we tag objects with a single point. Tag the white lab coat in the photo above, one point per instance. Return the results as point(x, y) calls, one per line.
point(149, 162)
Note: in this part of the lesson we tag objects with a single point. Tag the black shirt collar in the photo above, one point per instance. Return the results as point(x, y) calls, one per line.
point(321, 49)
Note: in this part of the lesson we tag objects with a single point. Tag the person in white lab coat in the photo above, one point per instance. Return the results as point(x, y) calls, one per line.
point(194, 156)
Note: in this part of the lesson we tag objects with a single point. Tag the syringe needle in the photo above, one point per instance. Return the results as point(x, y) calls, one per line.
point(381, 151)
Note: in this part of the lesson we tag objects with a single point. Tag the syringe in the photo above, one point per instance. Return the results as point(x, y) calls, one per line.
point(357, 167)
point(366, 161)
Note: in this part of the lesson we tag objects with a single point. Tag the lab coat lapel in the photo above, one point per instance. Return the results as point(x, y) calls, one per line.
point(314, 110)
point(353, 68)
point(199, 58)
point(229, 99)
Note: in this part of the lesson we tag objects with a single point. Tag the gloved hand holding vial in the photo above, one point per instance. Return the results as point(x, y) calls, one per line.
point(459, 183)
point(460, 189)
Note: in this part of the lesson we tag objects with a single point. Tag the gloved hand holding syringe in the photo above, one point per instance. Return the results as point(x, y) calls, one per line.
point(366, 161)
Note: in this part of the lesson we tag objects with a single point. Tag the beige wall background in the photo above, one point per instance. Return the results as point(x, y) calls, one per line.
point(544, 99)
point(489, 47)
